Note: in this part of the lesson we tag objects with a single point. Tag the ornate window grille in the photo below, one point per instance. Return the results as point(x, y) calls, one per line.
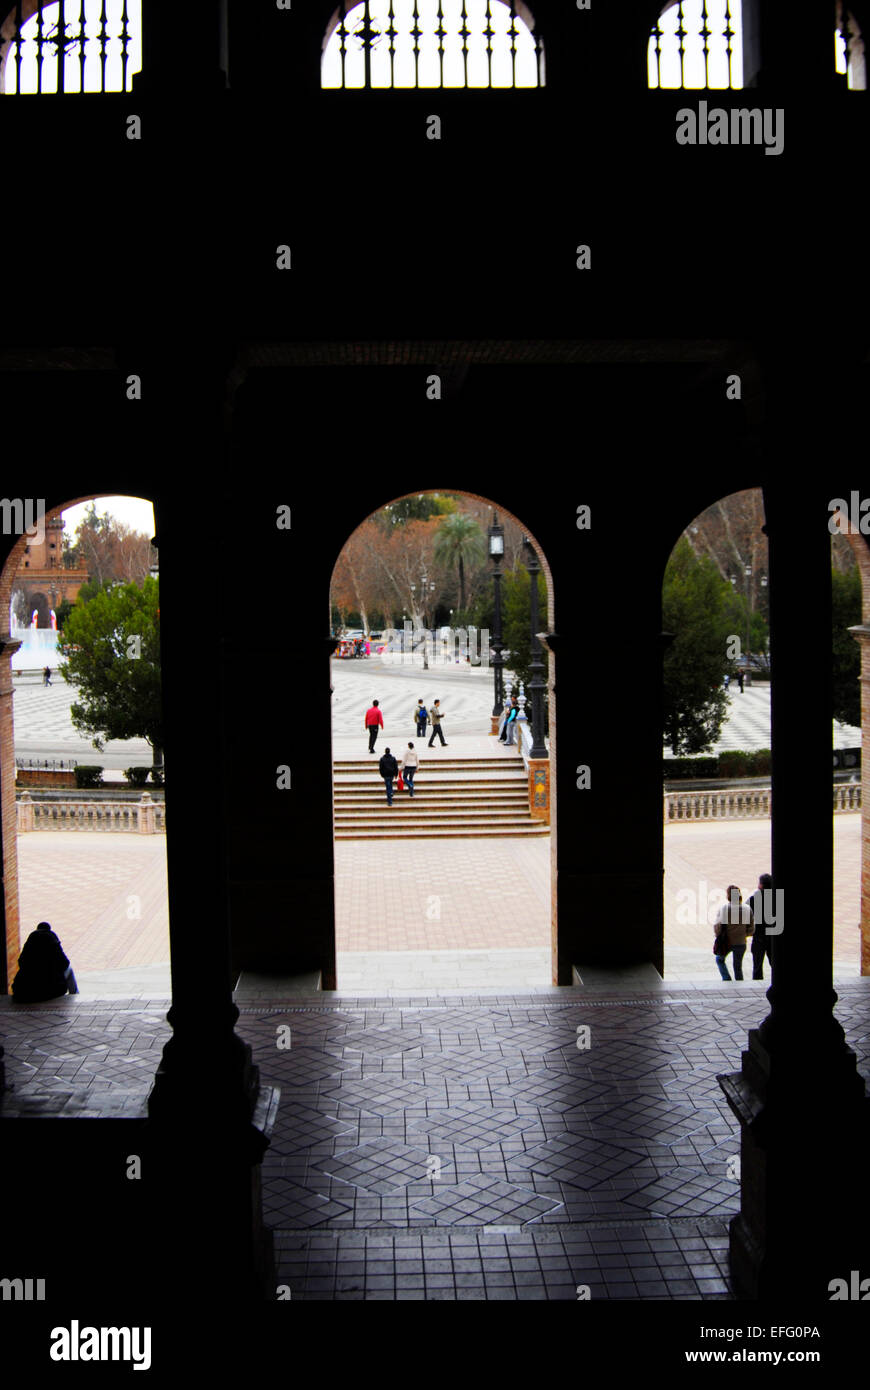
point(697, 43)
point(432, 43)
point(849, 50)
point(100, 42)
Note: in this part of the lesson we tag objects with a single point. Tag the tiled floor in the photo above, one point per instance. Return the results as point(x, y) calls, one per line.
point(469, 1148)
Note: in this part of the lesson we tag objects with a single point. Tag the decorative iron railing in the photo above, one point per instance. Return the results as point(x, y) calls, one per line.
point(432, 43)
point(697, 44)
point(70, 46)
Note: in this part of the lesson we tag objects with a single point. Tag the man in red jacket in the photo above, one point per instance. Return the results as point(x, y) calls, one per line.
point(374, 721)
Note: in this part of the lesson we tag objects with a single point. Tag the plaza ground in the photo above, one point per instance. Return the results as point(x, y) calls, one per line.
point(439, 914)
point(447, 914)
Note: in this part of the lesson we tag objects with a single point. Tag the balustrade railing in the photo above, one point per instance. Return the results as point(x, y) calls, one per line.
point(145, 816)
point(753, 803)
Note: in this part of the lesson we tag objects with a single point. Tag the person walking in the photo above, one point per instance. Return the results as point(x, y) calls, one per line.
point(762, 909)
point(740, 681)
point(410, 763)
point(46, 676)
point(436, 716)
point(421, 718)
point(733, 925)
point(388, 768)
point(374, 721)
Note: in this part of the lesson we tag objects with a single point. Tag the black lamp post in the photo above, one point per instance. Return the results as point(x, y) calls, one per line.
point(536, 684)
point(495, 533)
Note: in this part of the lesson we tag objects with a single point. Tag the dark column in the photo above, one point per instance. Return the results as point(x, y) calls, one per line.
point(208, 1117)
point(171, 63)
point(799, 1098)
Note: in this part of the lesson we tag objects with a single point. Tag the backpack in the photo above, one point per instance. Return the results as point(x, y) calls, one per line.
point(421, 713)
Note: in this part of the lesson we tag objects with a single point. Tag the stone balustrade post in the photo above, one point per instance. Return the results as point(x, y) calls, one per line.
point(146, 814)
point(25, 813)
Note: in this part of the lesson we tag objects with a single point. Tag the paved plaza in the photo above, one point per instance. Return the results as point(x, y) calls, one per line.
point(449, 914)
point(43, 728)
point(409, 914)
point(467, 1148)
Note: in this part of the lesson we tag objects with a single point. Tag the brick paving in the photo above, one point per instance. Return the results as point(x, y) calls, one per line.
point(410, 914)
point(466, 1148)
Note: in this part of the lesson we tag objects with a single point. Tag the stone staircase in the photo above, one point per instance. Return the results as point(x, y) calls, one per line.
point(453, 798)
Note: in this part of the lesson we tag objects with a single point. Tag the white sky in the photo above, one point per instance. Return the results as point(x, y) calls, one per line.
point(133, 511)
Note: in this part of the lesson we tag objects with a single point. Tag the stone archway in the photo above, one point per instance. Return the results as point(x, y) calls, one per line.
point(8, 812)
point(861, 633)
point(546, 620)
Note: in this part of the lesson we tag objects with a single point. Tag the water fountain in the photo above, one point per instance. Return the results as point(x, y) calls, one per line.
point(38, 645)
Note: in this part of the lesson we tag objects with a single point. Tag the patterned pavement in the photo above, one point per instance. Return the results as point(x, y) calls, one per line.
point(470, 1148)
point(409, 916)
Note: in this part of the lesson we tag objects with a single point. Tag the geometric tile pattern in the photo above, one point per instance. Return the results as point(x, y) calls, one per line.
point(467, 1148)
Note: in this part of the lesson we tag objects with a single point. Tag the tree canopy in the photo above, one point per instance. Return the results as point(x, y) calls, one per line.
point(115, 665)
point(460, 542)
point(701, 611)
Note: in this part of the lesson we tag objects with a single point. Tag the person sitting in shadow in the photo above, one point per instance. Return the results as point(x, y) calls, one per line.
point(44, 972)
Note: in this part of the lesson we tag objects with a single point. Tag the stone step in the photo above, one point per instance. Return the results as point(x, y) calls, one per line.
point(401, 832)
point(430, 763)
point(434, 794)
point(446, 783)
point(424, 807)
point(410, 815)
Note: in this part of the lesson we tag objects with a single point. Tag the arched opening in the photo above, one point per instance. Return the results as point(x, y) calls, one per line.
point(101, 41)
point(852, 697)
point(448, 881)
point(83, 830)
point(717, 780)
point(697, 44)
point(407, 44)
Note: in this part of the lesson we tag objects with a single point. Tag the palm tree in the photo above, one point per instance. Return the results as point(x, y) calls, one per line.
point(459, 541)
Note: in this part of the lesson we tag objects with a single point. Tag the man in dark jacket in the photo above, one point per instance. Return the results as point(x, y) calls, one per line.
point(44, 971)
point(388, 768)
point(760, 940)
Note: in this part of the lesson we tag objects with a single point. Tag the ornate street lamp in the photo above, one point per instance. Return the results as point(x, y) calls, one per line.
point(748, 572)
point(536, 684)
point(495, 535)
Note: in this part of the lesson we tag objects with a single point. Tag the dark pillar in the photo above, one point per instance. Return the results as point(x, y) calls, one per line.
point(799, 1098)
point(208, 1118)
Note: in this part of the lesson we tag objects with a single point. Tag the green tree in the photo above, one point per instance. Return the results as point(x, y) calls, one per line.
point(846, 611)
point(701, 610)
point(418, 508)
point(460, 542)
point(516, 622)
point(115, 665)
